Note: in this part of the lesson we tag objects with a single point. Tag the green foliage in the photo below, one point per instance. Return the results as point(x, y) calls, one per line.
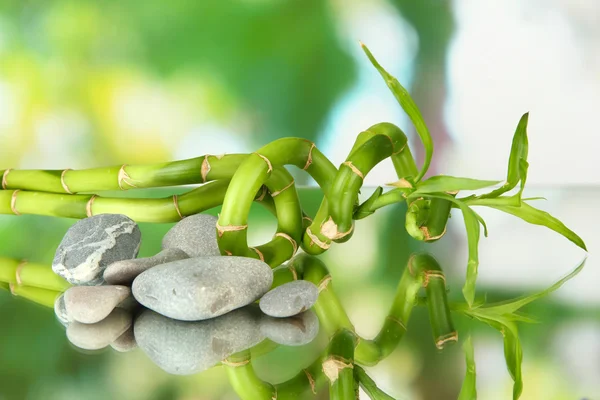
point(468, 390)
point(444, 183)
point(411, 109)
point(369, 386)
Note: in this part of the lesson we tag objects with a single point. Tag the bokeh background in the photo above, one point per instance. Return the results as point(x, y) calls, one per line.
point(86, 83)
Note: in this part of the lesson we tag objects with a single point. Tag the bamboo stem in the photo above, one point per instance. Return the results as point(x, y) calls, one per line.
point(339, 364)
point(40, 296)
point(24, 273)
point(244, 381)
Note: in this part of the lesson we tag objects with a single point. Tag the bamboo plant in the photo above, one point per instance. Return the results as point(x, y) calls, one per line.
point(235, 181)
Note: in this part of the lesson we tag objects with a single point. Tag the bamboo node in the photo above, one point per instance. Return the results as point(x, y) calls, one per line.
point(235, 364)
point(433, 274)
point(18, 272)
point(442, 340)
point(228, 253)
point(308, 219)
point(329, 229)
point(62, 181)
point(229, 228)
point(13, 202)
point(397, 321)
point(262, 194)
point(354, 169)
point(4, 176)
point(277, 192)
point(315, 240)
point(309, 159)
point(176, 204)
point(293, 271)
point(324, 283)
point(205, 169)
point(11, 286)
point(269, 166)
point(289, 239)
point(401, 149)
point(428, 237)
point(311, 381)
point(260, 254)
point(123, 177)
point(88, 206)
point(333, 365)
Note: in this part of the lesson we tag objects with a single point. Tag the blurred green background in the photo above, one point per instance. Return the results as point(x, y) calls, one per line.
point(87, 83)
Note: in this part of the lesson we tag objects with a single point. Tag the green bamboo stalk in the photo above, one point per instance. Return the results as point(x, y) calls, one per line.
point(123, 177)
point(306, 382)
point(24, 273)
point(252, 174)
point(384, 140)
point(434, 283)
point(4, 286)
point(40, 296)
point(339, 364)
point(244, 381)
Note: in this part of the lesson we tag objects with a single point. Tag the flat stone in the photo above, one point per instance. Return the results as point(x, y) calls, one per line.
point(94, 243)
point(291, 331)
point(204, 287)
point(289, 299)
point(196, 235)
point(61, 311)
point(184, 348)
point(125, 271)
point(126, 342)
point(91, 304)
point(101, 334)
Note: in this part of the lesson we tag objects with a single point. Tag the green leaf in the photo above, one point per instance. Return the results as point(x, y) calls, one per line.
point(444, 183)
point(369, 386)
point(468, 391)
point(365, 209)
point(513, 352)
point(533, 216)
point(473, 232)
point(517, 162)
point(511, 306)
point(411, 109)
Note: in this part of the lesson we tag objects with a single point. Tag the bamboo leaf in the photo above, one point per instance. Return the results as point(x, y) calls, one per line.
point(517, 162)
point(468, 391)
point(365, 209)
point(533, 216)
point(369, 386)
point(411, 109)
point(473, 232)
point(443, 183)
point(511, 306)
point(513, 352)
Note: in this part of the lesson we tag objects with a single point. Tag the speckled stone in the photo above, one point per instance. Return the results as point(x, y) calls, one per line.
point(196, 235)
point(289, 299)
point(101, 334)
point(185, 348)
point(91, 304)
point(60, 310)
point(94, 243)
point(125, 271)
point(291, 331)
point(204, 287)
point(126, 342)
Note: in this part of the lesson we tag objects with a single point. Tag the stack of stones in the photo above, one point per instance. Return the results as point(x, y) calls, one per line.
point(187, 307)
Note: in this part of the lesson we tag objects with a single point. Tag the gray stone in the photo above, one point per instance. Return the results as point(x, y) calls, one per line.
point(60, 310)
point(125, 271)
point(184, 348)
point(291, 331)
point(196, 235)
point(101, 334)
point(91, 304)
point(94, 243)
point(289, 299)
point(126, 342)
point(204, 287)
